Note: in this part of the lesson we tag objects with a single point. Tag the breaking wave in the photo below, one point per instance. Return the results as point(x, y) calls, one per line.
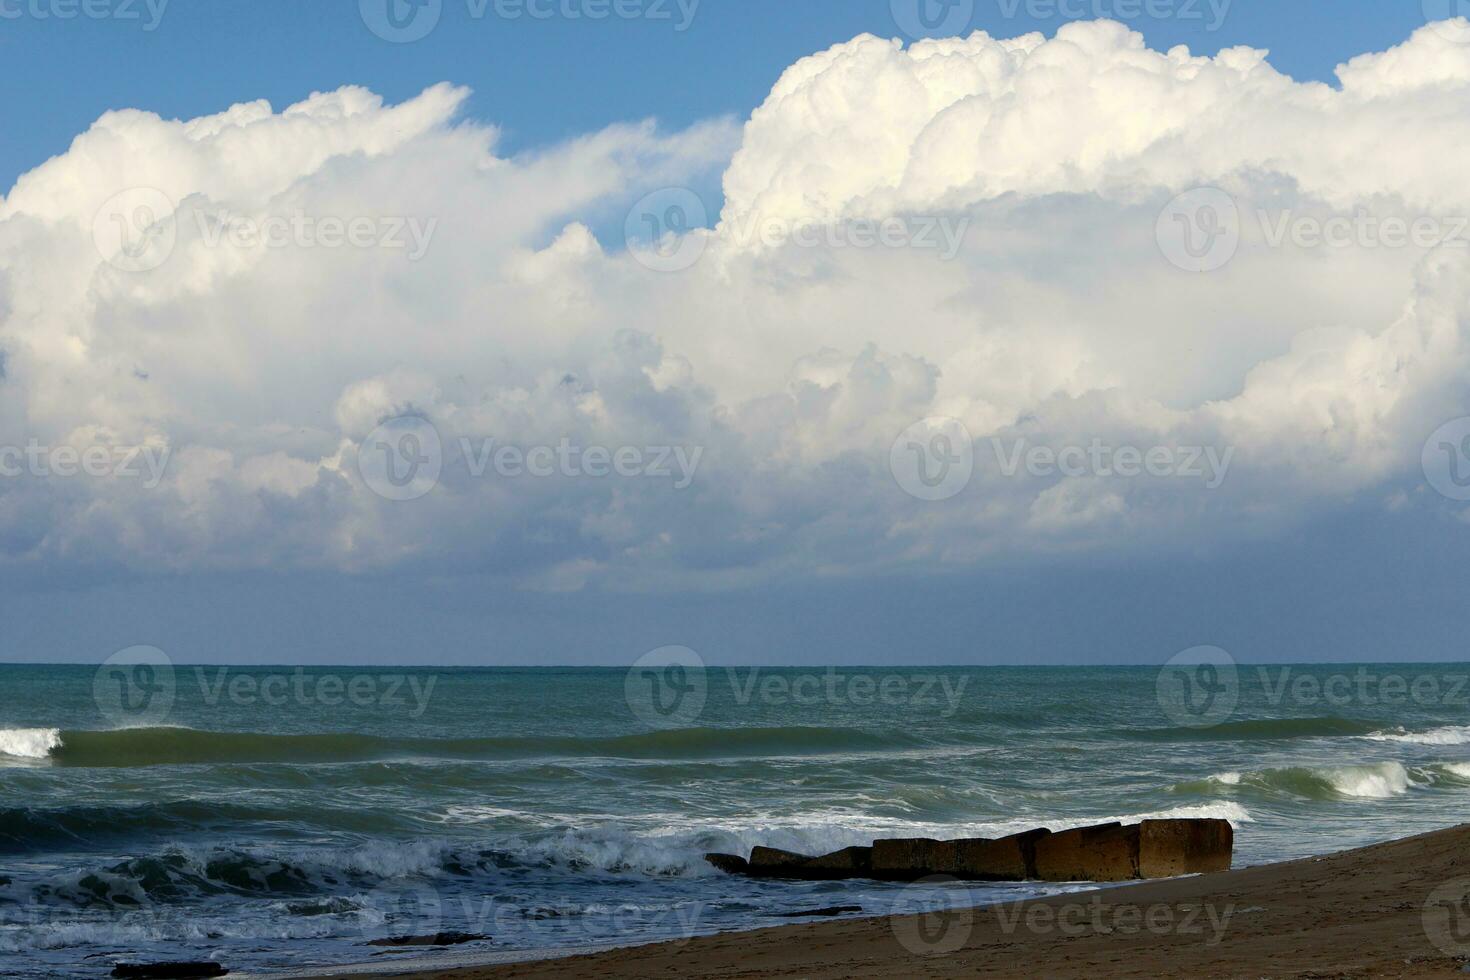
point(1447, 735)
point(1267, 729)
point(29, 743)
point(183, 746)
point(1377, 781)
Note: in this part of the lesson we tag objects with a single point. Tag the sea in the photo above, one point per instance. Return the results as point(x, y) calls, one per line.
point(285, 819)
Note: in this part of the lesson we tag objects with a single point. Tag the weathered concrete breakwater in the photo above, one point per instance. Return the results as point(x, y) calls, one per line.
point(1106, 852)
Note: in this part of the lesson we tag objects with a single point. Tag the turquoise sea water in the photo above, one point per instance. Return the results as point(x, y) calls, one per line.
point(276, 818)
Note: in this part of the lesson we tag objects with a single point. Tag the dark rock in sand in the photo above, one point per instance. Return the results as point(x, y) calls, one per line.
point(850, 862)
point(167, 971)
point(830, 911)
point(902, 858)
point(731, 864)
point(1106, 852)
point(1010, 858)
point(853, 861)
point(976, 858)
point(768, 860)
point(434, 939)
point(1180, 847)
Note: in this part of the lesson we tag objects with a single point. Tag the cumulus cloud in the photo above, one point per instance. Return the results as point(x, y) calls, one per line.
point(964, 228)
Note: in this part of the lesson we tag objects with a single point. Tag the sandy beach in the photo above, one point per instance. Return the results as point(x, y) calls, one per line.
point(1390, 910)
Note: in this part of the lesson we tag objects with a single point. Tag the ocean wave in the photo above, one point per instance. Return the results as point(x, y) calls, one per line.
point(1446, 735)
point(1264, 729)
point(1376, 781)
point(116, 929)
point(85, 826)
point(133, 747)
point(184, 874)
point(29, 743)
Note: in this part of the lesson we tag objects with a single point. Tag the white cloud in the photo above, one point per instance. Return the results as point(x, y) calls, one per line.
point(792, 366)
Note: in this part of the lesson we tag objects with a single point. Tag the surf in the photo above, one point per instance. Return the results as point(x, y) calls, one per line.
point(138, 747)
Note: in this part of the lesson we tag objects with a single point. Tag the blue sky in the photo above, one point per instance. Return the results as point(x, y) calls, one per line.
point(1063, 318)
point(543, 80)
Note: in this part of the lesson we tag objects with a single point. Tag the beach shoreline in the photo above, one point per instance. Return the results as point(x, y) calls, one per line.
point(1386, 910)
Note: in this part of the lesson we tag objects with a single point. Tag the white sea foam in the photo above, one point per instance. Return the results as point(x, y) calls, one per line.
point(1217, 810)
point(1446, 735)
point(29, 743)
point(471, 813)
point(1375, 782)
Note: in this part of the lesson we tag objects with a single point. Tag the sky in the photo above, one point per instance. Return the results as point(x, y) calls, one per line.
point(791, 333)
point(545, 80)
